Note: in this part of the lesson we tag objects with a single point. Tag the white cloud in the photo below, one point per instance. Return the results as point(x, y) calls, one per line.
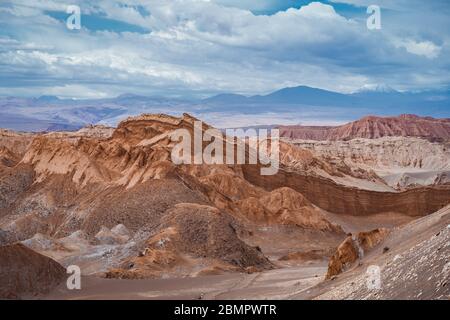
point(425, 48)
point(204, 47)
point(75, 92)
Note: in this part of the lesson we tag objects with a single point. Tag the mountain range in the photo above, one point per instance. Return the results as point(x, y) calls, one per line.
point(296, 105)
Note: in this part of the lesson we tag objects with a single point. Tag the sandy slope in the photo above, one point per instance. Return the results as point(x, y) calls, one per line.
point(413, 268)
point(275, 284)
point(25, 273)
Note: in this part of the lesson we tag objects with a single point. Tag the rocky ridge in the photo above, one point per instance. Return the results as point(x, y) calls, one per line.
point(373, 127)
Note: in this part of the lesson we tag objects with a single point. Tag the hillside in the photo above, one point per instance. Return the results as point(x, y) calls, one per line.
point(373, 127)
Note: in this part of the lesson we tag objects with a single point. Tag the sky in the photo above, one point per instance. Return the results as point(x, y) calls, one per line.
point(198, 48)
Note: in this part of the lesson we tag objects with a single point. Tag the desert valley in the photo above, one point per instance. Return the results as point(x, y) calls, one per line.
point(371, 193)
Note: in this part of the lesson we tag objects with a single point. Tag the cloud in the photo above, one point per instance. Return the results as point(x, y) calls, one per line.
point(425, 48)
point(204, 47)
point(75, 92)
point(261, 6)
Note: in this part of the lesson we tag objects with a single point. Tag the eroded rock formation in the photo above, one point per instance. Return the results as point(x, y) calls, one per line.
point(353, 248)
point(373, 127)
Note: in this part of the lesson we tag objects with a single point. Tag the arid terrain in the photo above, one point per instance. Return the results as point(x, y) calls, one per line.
point(375, 192)
point(373, 127)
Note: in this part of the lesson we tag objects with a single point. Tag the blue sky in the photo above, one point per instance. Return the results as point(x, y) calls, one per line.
point(189, 48)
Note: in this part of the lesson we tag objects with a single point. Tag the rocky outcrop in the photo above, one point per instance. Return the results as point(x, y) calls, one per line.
point(354, 247)
point(188, 233)
point(346, 254)
point(370, 239)
point(25, 273)
point(373, 127)
point(413, 264)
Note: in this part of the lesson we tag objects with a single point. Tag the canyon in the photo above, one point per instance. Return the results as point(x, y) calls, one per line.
point(112, 201)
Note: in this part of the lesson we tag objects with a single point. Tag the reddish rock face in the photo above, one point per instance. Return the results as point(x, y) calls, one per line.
point(354, 247)
point(336, 198)
point(372, 127)
point(370, 239)
point(345, 255)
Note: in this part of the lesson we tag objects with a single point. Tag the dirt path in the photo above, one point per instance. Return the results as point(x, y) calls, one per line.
point(273, 284)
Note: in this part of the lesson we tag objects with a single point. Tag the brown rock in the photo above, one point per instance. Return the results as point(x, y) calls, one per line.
point(345, 255)
point(192, 232)
point(24, 272)
point(370, 239)
point(353, 248)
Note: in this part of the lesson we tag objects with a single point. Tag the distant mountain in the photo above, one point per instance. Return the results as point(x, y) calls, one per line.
point(226, 98)
point(47, 99)
point(373, 127)
point(305, 95)
point(297, 103)
point(294, 95)
point(23, 123)
point(377, 100)
point(48, 113)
